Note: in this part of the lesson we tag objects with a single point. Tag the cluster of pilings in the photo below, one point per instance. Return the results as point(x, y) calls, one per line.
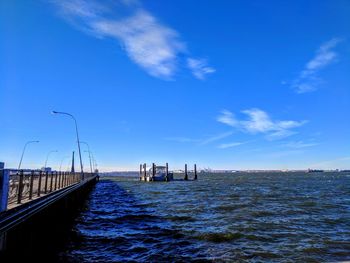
point(168, 175)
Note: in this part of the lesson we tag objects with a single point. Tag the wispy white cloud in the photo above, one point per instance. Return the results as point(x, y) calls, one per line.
point(259, 121)
point(216, 137)
point(228, 118)
point(149, 44)
point(300, 144)
point(200, 141)
point(152, 45)
point(199, 67)
point(230, 145)
point(308, 79)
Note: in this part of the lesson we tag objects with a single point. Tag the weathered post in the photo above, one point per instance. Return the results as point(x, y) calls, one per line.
point(46, 179)
point(51, 181)
point(195, 172)
point(153, 171)
point(144, 171)
point(31, 185)
point(4, 186)
point(186, 175)
point(20, 187)
point(140, 172)
point(62, 179)
point(55, 181)
point(166, 172)
point(39, 183)
point(59, 180)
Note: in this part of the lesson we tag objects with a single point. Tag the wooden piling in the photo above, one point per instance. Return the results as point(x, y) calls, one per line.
point(153, 171)
point(140, 172)
point(195, 172)
point(144, 170)
point(166, 172)
point(186, 175)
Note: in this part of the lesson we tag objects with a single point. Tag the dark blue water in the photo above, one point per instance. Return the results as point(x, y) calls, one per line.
point(276, 217)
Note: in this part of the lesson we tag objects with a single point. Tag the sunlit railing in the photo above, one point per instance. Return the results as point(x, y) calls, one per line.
point(25, 185)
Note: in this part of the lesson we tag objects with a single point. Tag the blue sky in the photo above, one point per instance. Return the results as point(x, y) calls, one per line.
point(224, 84)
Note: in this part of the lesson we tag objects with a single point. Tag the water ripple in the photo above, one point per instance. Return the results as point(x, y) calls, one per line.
point(223, 218)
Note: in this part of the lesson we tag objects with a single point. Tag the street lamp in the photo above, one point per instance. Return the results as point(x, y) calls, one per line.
point(76, 130)
point(62, 161)
point(90, 160)
point(94, 161)
point(89, 153)
point(24, 148)
point(47, 157)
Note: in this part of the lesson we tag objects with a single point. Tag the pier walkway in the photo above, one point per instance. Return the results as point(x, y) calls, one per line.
point(32, 201)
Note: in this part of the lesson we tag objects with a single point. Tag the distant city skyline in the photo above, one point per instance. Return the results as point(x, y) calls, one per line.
point(228, 85)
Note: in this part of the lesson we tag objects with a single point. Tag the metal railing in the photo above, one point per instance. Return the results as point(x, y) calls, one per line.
point(25, 185)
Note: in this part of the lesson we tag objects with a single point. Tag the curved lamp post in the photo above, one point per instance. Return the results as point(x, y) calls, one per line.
point(62, 162)
point(47, 157)
point(77, 134)
point(90, 160)
point(24, 148)
point(94, 161)
point(89, 154)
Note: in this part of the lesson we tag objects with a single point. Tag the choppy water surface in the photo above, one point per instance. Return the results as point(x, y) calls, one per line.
point(221, 217)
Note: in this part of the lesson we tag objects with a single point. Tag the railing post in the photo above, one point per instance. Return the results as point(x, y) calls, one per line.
point(59, 180)
point(46, 179)
point(55, 181)
point(31, 185)
point(39, 183)
point(62, 178)
point(20, 187)
point(51, 181)
point(186, 175)
point(4, 186)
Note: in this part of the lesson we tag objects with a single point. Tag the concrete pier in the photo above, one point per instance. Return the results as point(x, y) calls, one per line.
point(35, 226)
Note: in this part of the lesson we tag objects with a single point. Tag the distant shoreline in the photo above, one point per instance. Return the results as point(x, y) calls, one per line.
point(136, 173)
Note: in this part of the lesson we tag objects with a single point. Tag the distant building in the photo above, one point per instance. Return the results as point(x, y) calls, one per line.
point(46, 169)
